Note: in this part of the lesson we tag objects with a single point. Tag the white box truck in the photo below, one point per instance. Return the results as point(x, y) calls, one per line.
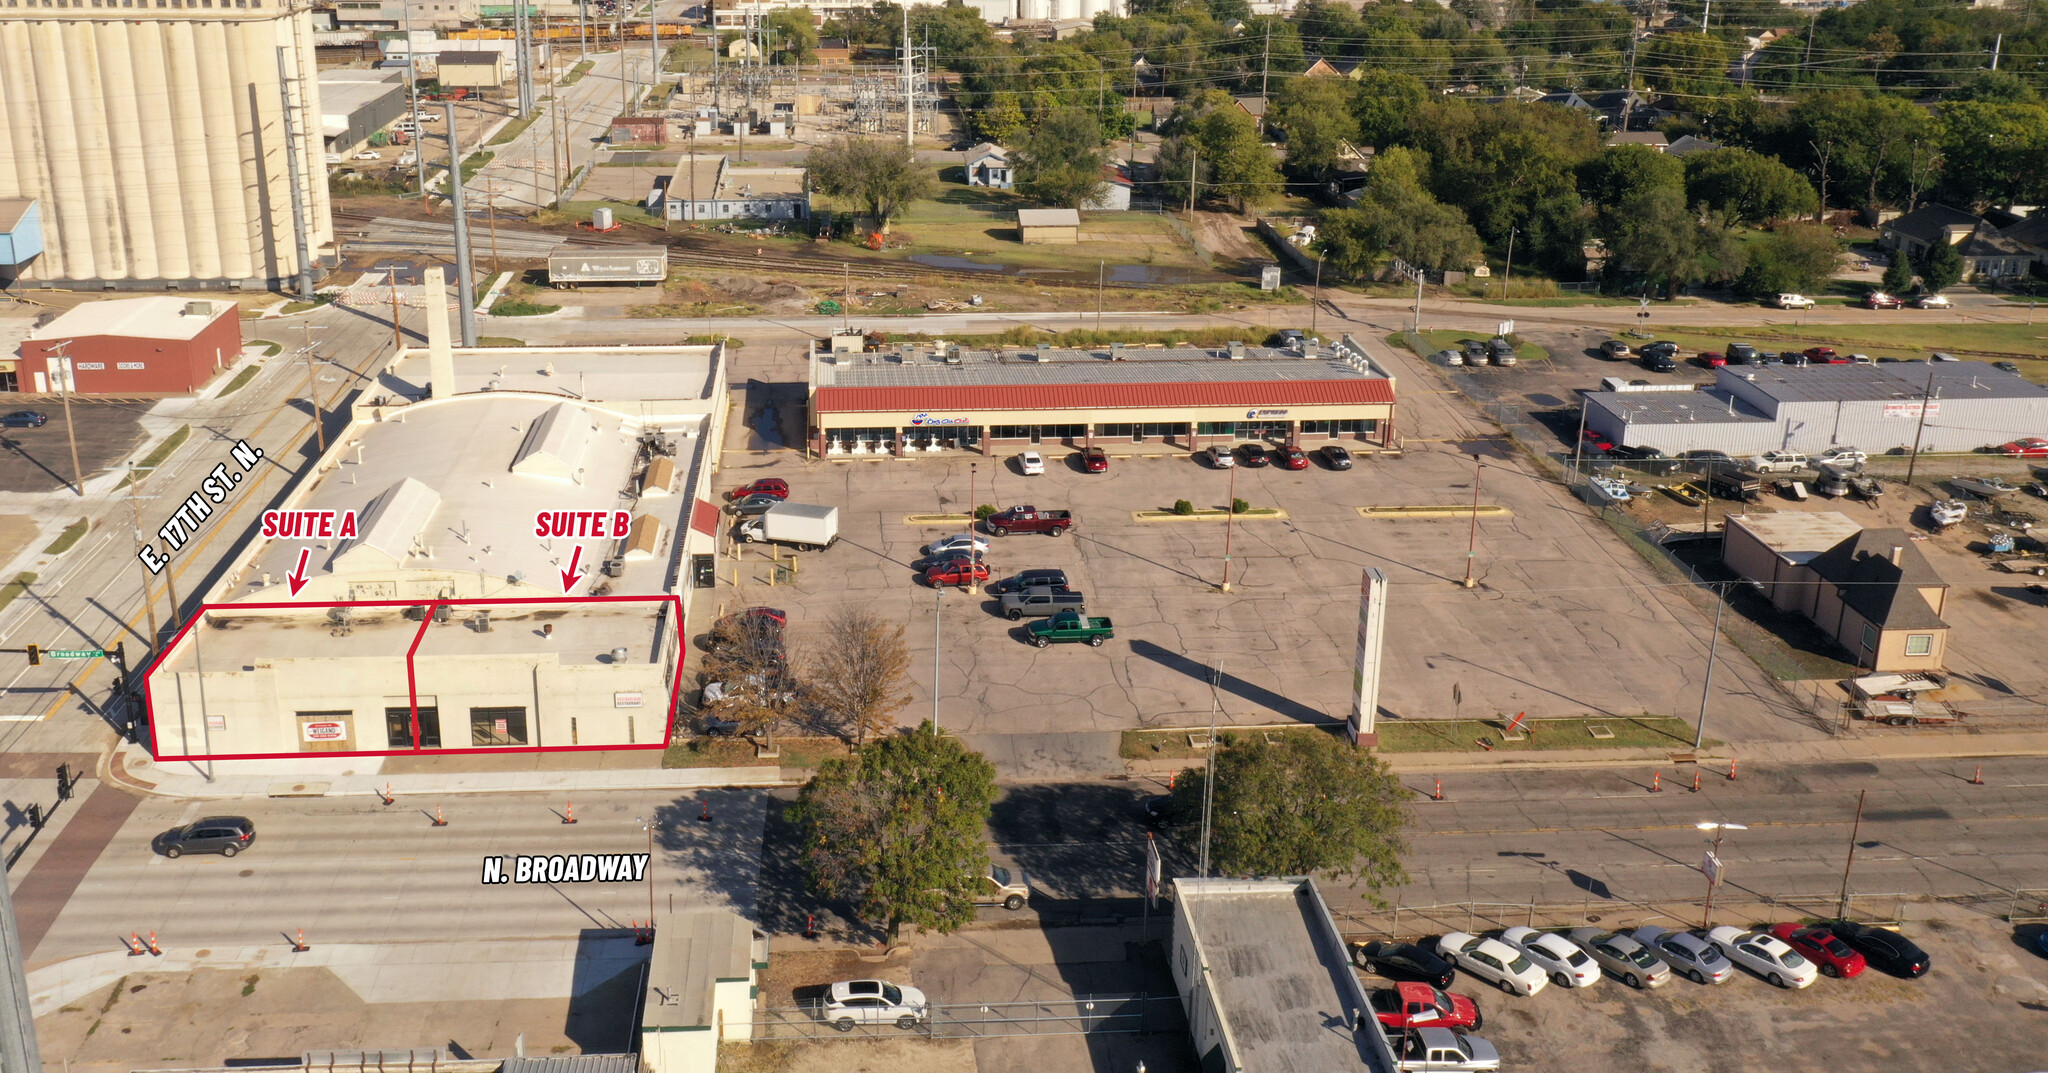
point(799, 525)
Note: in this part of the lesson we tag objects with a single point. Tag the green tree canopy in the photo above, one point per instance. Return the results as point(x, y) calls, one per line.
point(1308, 804)
point(1238, 162)
point(1620, 172)
point(795, 34)
point(1315, 115)
point(1898, 275)
point(1749, 187)
point(1397, 217)
point(1686, 65)
point(881, 175)
point(896, 829)
point(1388, 105)
point(1793, 258)
point(1941, 267)
point(1061, 162)
point(1654, 235)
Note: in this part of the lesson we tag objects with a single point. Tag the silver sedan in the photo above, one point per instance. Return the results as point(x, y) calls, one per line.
point(1691, 955)
point(1624, 957)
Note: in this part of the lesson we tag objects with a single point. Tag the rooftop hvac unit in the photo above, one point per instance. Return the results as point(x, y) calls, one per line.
point(1236, 350)
point(953, 354)
point(1116, 352)
point(441, 614)
point(483, 620)
point(614, 567)
point(1044, 352)
point(198, 309)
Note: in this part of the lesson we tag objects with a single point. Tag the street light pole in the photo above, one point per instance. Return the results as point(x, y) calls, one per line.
point(1472, 542)
point(1713, 648)
point(1229, 523)
point(1842, 909)
point(64, 391)
point(647, 824)
point(938, 603)
point(1713, 869)
point(1316, 305)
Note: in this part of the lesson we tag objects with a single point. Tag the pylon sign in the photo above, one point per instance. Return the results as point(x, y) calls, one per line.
point(1365, 675)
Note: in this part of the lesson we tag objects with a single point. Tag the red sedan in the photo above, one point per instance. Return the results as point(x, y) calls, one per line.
point(2031, 447)
point(1095, 460)
point(957, 572)
point(766, 486)
point(1820, 946)
point(1880, 300)
point(1290, 457)
point(1596, 441)
point(1712, 360)
point(1821, 355)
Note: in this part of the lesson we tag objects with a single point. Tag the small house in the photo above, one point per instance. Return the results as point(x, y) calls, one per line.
point(833, 52)
point(988, 165)
point(1116, 191)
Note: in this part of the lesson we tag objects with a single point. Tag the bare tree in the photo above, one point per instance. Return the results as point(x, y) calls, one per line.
point(748, 661)
point(860, 672)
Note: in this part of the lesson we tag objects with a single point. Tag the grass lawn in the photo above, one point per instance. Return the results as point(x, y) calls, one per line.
point(1905, 339)
point(155, 458)
point(1462, 735)
point(241, 379)
point(68, 537)
point(577, 72)
point(1427, 343)
point(15, 588)
point(270, 349)
point(685, 752)
point(499, 340)
point(624, 212)
point(1178, 744)
point(515, 128)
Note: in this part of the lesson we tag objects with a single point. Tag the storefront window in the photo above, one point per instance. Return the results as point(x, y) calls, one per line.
point(1124, 430)
point(1009, 432)
point(1360, 425)
point(1315, 428)
point(1158, 429)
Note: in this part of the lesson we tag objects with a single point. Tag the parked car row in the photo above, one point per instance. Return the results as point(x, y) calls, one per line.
point(1286, 456)
point(1472, 352)
point(1881, 300)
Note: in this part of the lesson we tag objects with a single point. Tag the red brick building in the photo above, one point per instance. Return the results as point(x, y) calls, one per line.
point(133, 346)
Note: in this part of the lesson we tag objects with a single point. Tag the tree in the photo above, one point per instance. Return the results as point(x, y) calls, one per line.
point(1898, 276)
point(1686, 65)
point(1061, 162)
point(1749, 187)
point(1396, 217)
point(860, 672)
point(1941, 267)
point(896, 829)
point(1001, 120)
point(1308, 804)
point(748, 657)
point(1655, 235)
point(1793, 258)
point(1315, 114)
point(795, 34)
point(1238, 162)
point(881, 175)
point(1618, 173)
point(1388, 105)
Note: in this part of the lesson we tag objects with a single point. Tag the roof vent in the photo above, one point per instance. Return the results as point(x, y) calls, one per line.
point(1045, 352)
point(1116, 352)
point(1237, 350)
point(953, 354)
point(198, 309)
point(1898, 552)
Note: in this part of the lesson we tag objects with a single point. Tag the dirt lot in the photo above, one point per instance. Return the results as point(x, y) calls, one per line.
point(1990, 988)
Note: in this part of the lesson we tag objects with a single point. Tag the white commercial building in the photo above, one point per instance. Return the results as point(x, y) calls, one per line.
point(491, 556)
point(154, 140)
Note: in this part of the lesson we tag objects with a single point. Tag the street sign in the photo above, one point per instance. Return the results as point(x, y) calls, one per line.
point(74, 653)
point(1710, 866)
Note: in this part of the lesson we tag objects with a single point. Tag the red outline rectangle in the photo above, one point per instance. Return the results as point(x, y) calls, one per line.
point(674, 604)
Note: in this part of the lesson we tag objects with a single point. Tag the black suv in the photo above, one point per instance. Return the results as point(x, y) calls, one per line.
point(1660, 357)
point(1030, 579)
point(1648, 459)
point(225, 835)
point(1740, 354)
point(1705, 462)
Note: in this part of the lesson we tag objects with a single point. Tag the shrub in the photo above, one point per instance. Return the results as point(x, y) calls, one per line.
point(1239, 506)
point(984, 511)
point(1183, 507)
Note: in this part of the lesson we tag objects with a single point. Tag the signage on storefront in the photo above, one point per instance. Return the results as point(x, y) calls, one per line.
point(91, 366)
point(325, 731)
point(1253, 415)
point(927, 419)
point(1910, 409)
point(129, 366)
point(626, 700)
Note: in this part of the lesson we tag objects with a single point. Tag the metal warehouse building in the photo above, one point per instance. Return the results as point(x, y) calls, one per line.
point(919, 398)
point(356, 103)
point(1876, 408)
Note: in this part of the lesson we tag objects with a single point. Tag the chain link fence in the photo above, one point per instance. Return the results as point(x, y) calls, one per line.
point(1405, 922)
point(1079, 1015)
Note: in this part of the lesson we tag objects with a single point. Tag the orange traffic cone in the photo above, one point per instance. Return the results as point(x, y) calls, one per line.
point(1657, 783)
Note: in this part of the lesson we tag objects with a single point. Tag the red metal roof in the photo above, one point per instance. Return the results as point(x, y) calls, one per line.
point(1261, 393)
point(704, 518)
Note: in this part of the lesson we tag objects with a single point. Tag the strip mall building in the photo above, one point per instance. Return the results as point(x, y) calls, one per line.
point(919, 399)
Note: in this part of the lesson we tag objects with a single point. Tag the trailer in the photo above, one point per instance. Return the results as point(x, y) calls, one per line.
point(800, 525)
point(628, 264)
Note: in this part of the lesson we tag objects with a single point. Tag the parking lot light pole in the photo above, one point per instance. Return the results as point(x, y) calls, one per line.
point(1713, 648)
point(1712, 865)
point(1229, 523)
point(938, 602)
point(647, 824)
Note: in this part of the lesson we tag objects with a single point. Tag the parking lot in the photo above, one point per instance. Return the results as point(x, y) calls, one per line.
point(1980, 1008)
point(1554, 588)
point(39, 460)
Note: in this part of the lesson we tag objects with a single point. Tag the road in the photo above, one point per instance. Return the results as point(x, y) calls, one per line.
point(94, 599)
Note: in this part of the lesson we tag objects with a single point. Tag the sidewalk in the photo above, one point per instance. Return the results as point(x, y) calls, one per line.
point(1905, 745)
point(358, 776)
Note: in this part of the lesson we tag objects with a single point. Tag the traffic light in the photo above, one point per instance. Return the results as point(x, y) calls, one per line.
point(36, 819)
point(35, 655)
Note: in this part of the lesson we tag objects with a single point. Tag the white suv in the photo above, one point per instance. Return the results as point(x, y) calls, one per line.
point(874, 1002)
point(1843, 456)
point(1493, 961)
point(1781, 462)
point(1794, 301)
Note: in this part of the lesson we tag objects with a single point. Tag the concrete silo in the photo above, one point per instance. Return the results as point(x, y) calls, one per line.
point(153, 137)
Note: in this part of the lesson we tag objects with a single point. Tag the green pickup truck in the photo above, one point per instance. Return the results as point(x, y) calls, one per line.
point(1068, 626)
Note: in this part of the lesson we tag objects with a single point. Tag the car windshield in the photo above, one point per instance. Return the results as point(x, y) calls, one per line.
point(892, 994)
point(1444, 1008)
point(1641, 958)
point(1520, 965)
point(1000, 874)
point(1792, 960)
point(1708, 955)
point(1835, 947)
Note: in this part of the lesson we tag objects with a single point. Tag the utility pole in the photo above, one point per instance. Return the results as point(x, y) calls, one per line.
point(909, 88)
point(1209, 768)
point(412, 94)
point(465, 281)
point(1472, 542)
point(1713, 649)
point(291, 165)
point(938, 605)
point(1704, 11)
point(1713, 870)
point(654, 40)
point(148, 594)
point(63, 374)
point(313, 390)
point(1316, 306)
point(1996, 45)
point(1926, 400)
point(397, 330)
point(1265, 63)
point(1194, 169)
point(1842, 907)
point(1507, 274)
point(1628, 82)
point(1099, 267)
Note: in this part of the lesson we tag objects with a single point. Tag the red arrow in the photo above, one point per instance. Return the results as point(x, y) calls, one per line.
point(297, 578)
point(570, 575)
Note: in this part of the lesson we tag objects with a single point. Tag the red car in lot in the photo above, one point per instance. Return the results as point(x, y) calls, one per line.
point(1290, 457)
point(1413, 1005)
point(1821, 355)
point(1596, 441)
point(2031, 447)
point(1819, 945)
point(1880, 300)
point(766, 486)
point(1095, 460)
point(1713, 360)
point(957, 572)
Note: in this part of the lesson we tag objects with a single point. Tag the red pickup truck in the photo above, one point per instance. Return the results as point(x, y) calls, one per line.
point(1411, 1005)
point(1028, 519)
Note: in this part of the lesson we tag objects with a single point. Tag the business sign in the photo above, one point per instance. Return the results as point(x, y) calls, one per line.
point(129, 366)
point(927, 419)
point(1911, 409)
point(1710, 866)
point(91, 366)
point(1365, 675)
point(626, 700)
point(498, 725)
point(1253, 415)
point(216, 722)
point(324, 730)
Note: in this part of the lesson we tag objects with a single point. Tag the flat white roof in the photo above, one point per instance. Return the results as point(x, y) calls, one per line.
point(1796, 536)
point(584, 633)
point(644, 376)
point(134, 318)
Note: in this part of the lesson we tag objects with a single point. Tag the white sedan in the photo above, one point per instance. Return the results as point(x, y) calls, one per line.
point(367, 154)
point(1493, 961)
point(1931, 301)
point(1567, 965)
point(1766, 955)
point(958, 542)
point(1032, 463)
